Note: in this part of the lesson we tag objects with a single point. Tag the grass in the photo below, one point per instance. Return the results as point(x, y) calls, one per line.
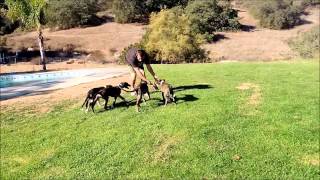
point(213, 131)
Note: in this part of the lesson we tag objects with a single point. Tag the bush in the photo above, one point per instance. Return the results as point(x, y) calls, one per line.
point(276, 14)
point(70, 13)
point(207, 17)
point(307, 44)
point(6, 26)
point(127, 11)
point(170, 38)
point(310, 2)
point(157, 5)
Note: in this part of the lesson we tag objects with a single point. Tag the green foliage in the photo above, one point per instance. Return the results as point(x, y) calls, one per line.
point(207, 17)
point(157, 5)
point(171, 39)
point(276, 14)
point(310, 2)
point(28, 12)
point(70, 13)
point(126, 11)
point(6, 26)
point(307, 44)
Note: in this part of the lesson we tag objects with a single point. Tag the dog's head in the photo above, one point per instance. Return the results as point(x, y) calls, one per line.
point(160, 82)
point(123, 85)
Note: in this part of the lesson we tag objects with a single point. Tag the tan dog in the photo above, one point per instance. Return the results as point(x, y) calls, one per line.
point(166, 90)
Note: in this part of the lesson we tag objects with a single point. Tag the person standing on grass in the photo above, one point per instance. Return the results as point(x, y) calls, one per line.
point(135, 59)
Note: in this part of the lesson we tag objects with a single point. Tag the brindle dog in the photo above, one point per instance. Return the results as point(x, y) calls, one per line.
point(167, 91)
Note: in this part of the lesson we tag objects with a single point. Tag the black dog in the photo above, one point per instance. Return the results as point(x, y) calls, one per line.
point(91, 95)
point(110, 91)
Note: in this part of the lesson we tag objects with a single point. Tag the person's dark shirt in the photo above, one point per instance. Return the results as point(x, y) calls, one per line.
point(132, 59)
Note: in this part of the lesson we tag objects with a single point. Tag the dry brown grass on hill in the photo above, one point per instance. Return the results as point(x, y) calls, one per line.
point(109, 39)
point(259, 43)
point(92, 39)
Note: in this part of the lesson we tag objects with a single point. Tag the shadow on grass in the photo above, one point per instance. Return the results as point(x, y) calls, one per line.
point(179, 99)
point(188, 87)
point(186, 98)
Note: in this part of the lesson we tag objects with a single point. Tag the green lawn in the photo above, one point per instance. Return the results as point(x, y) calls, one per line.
point(213, 131)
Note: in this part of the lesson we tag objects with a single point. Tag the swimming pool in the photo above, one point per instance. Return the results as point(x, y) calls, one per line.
point(11, 80)
point(15, 85)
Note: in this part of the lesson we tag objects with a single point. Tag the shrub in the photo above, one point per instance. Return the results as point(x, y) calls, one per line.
point(6, 26)
point(307, 44)
point(207, 17)
point(276, 14)
point(310, 2)
point(170, 38)
point(70, 13)
point(127, 11)
point(157, 5)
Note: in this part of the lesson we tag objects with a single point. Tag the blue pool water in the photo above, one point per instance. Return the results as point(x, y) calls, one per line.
point(11, 80)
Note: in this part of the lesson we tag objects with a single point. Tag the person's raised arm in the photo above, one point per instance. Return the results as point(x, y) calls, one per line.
point(141, 75)
point(151, 72)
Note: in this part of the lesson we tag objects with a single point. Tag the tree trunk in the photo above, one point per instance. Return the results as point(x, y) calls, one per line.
point(42, 53)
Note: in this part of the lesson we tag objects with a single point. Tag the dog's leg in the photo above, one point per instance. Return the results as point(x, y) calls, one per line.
point(174, 100)
point(124, 100)
point(106, 104)
point(88, 105)
point(85, 101)
point(114, 102)
point(92, 104)
point(138, 102)
point(166, 102)
point(98, 101)
point(144, 100)
point(163, 99)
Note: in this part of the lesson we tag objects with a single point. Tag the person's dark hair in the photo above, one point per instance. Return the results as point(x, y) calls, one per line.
point(141, 52)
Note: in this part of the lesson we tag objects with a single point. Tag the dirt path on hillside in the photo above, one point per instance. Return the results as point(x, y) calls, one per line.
point(259, 43)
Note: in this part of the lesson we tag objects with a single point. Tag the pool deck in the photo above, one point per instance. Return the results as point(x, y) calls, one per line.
point(37, 87)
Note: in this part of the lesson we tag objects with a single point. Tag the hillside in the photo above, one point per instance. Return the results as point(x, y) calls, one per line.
point(254, 43)
point(259, 43)
point(105, 38)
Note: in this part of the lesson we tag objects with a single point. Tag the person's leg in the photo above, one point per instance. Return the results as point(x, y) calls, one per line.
point(142, 72)
point(133, 76)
